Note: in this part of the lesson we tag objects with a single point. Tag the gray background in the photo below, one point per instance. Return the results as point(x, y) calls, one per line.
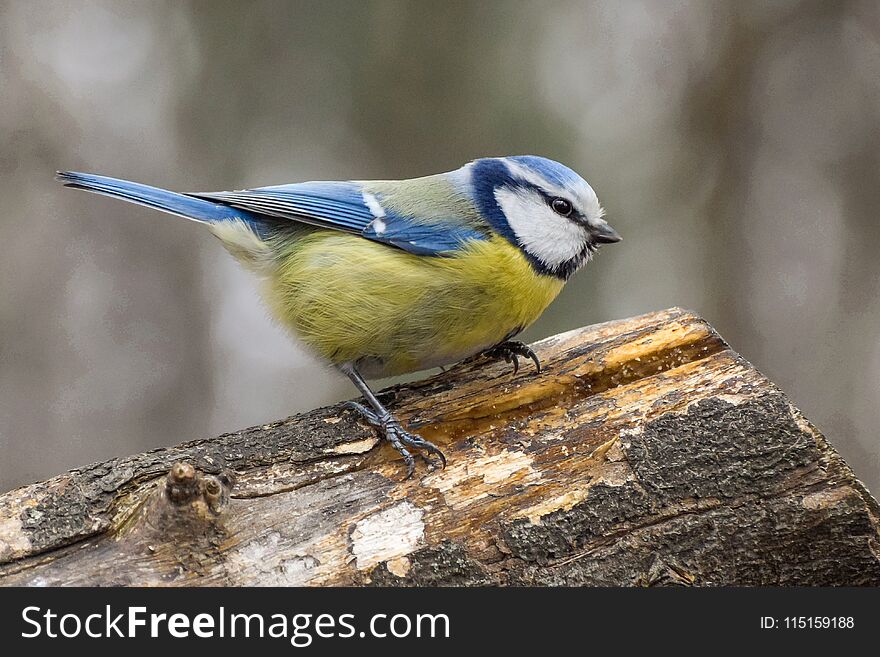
point(735, 145)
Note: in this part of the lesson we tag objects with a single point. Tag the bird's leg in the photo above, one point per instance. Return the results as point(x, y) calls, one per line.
point(510, 350)
point(388, 425)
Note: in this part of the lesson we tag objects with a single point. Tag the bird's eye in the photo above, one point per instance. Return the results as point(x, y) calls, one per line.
point(561, 206)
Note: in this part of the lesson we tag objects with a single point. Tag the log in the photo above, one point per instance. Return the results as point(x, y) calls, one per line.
point(647, 453)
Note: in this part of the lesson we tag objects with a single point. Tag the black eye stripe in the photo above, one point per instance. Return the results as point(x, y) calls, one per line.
point(574, 215)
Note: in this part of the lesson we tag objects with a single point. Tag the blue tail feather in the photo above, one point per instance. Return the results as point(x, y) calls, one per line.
point(154, 197)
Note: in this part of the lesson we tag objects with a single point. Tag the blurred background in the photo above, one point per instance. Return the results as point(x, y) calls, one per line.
point(735, 145)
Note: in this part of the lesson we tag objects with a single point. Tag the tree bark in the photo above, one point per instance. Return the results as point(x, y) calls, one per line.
point(647, 452)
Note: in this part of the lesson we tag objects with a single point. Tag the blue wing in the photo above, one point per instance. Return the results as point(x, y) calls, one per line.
point(338, 205)
point(344, 206)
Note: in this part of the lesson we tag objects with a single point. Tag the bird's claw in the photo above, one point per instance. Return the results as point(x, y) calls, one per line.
point(400, 438)
point(363, 411)
point(510, 351)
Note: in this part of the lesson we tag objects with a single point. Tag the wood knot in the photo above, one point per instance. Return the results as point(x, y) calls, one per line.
point(186, 504)
point(181, 484)
point(184, 485)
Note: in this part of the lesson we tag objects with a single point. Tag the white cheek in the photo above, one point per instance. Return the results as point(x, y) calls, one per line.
point(552, 239)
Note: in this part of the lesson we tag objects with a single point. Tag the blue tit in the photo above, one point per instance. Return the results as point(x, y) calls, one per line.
point(386, 277)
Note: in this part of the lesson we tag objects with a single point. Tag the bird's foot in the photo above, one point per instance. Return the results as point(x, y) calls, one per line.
point(510, 351)
point(400, 438)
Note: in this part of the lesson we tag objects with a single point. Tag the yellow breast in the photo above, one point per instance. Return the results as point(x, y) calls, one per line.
point(391, 312)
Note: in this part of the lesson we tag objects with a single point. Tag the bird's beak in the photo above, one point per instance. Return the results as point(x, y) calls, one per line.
point(605, 234)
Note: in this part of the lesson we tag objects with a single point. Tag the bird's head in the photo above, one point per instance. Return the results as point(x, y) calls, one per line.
point(543, 207)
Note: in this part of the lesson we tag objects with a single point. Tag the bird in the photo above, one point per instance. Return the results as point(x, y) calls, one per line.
point(385, 277)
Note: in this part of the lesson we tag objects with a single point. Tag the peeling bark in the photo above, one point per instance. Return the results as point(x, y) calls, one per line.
point(648, 453)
